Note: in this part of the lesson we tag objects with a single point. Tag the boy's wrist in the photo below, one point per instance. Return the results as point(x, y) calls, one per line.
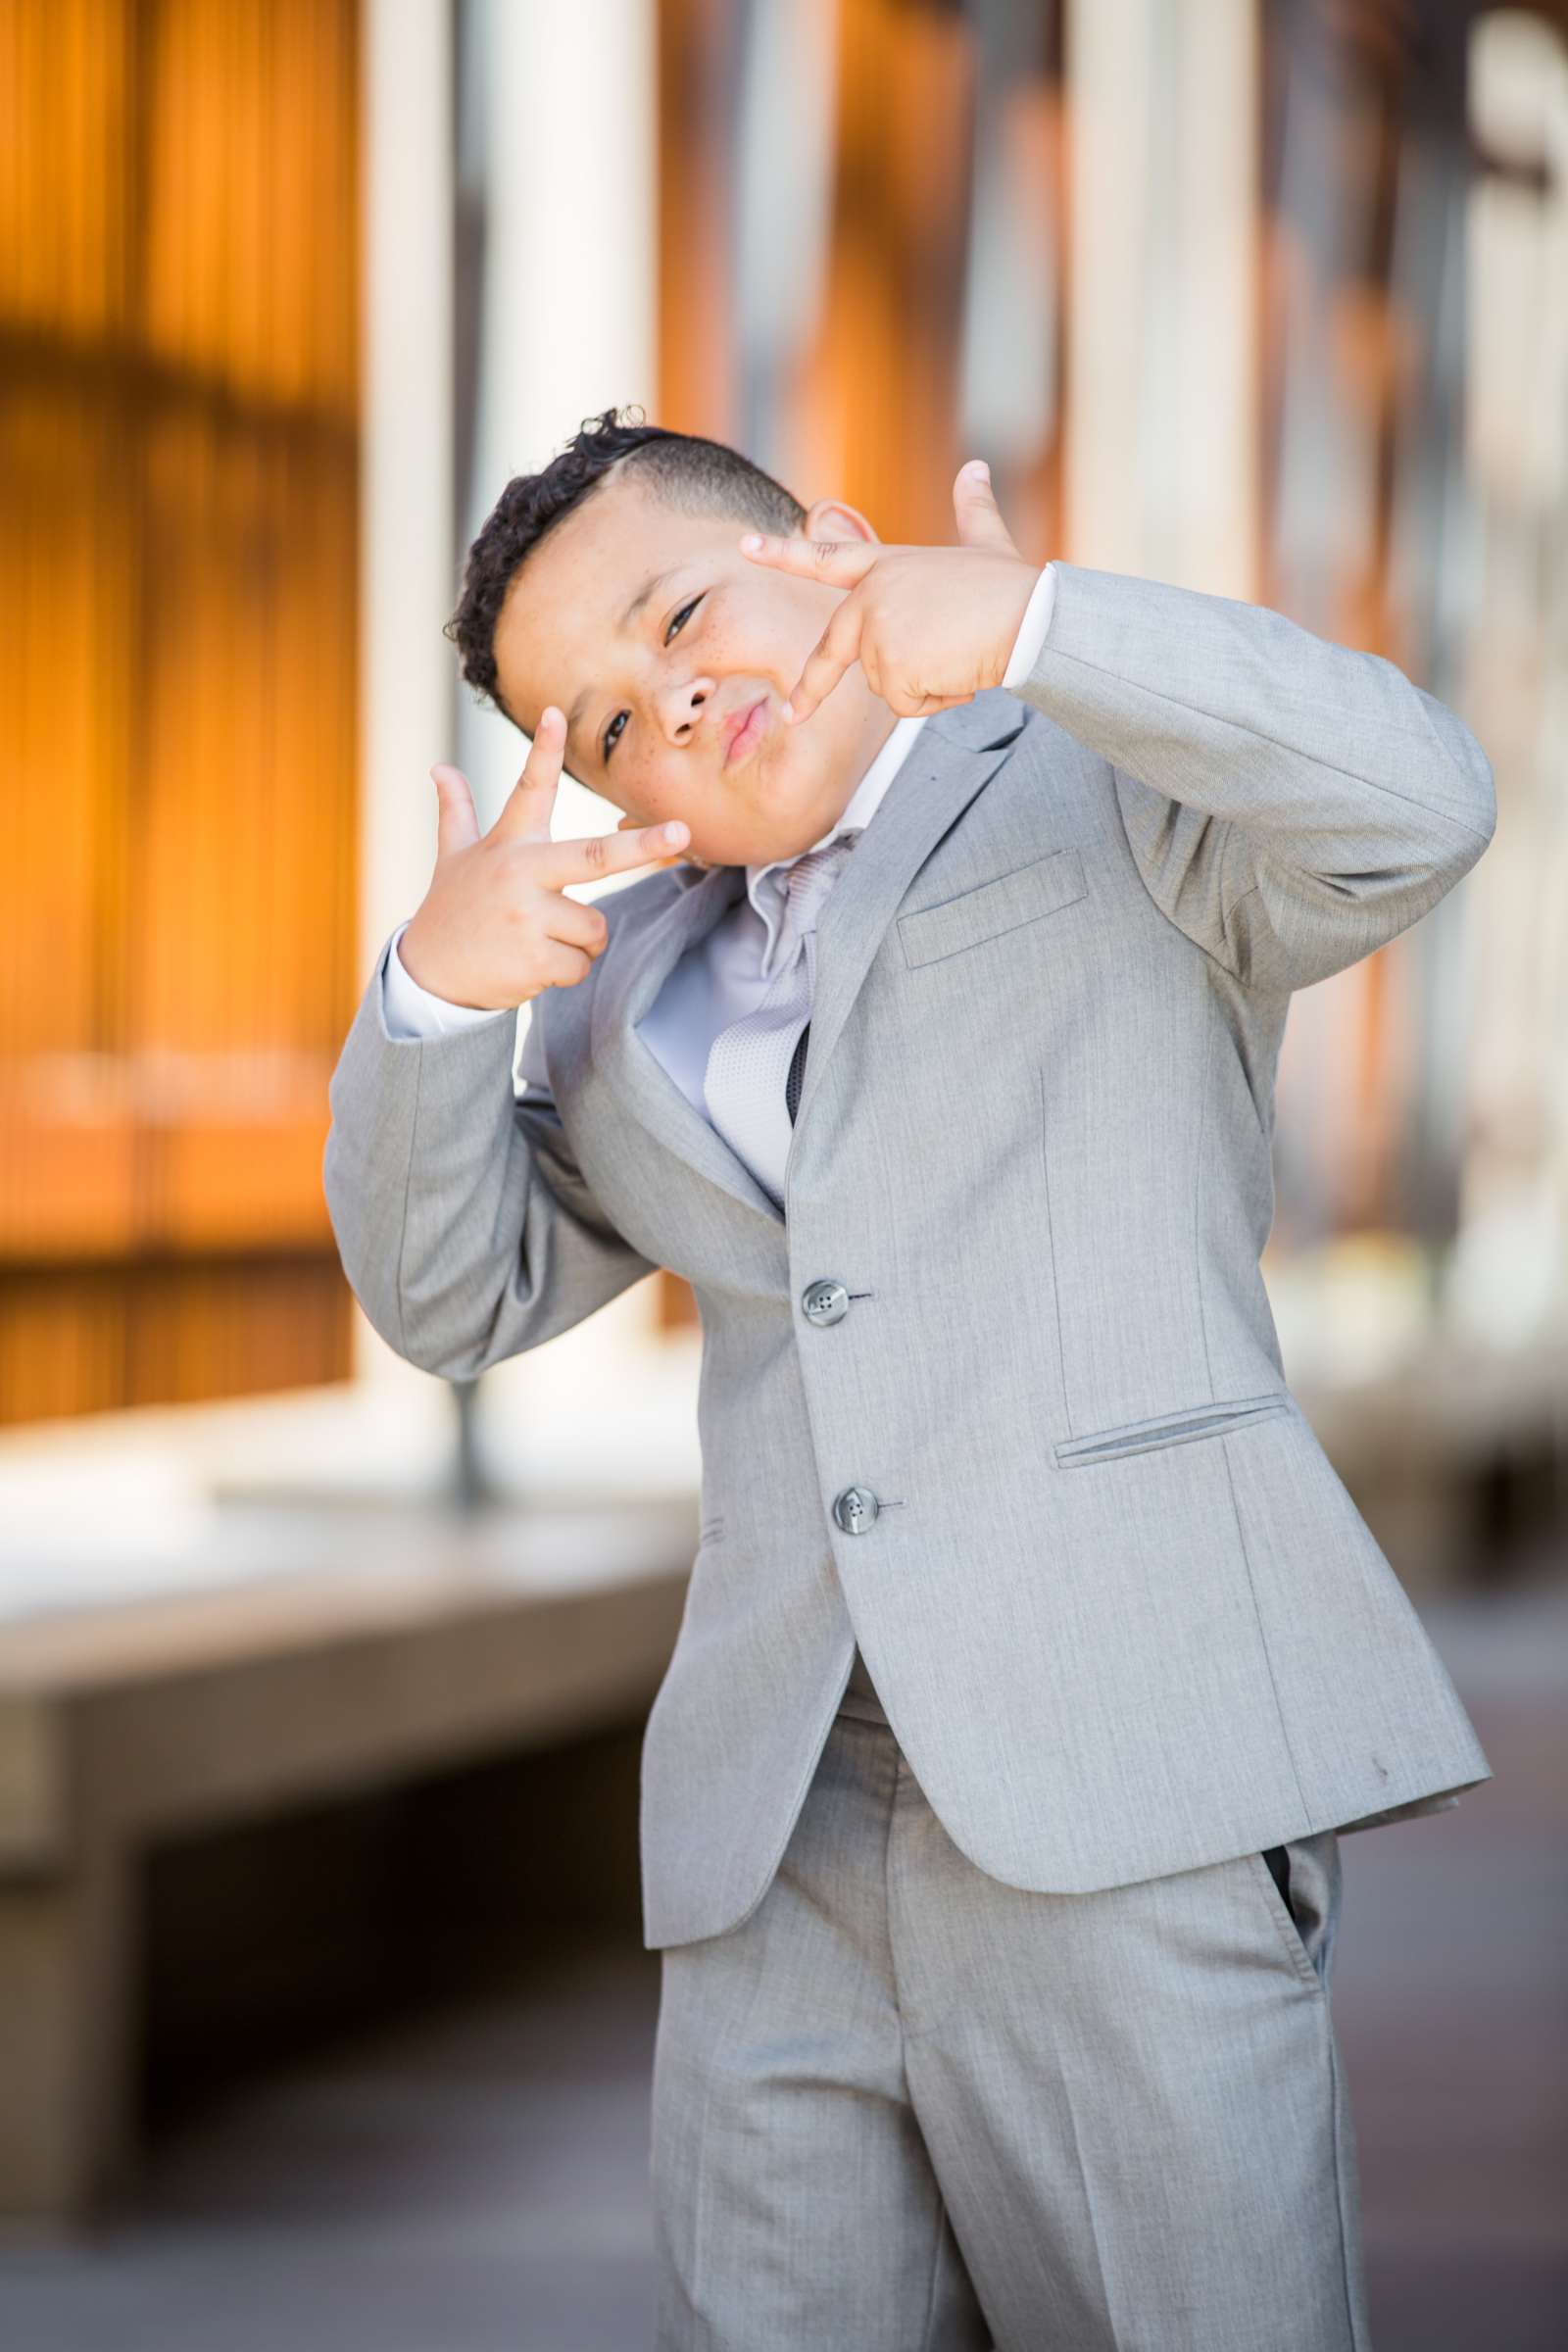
point(1032, 629)
point(419, 1008)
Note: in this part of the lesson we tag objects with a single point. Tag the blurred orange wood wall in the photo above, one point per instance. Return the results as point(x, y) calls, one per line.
point(179, 271)
point(872, 409)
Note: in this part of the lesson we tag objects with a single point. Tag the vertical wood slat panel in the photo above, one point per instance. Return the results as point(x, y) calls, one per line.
point(179, 447)
point(66, 71)
point(65, 660)
point(91, 1339)
point(250, 593)
point(883, 426)
point(250, 257)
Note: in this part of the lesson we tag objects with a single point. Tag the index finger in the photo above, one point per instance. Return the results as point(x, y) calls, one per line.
point(841, 562)
point(527, 806)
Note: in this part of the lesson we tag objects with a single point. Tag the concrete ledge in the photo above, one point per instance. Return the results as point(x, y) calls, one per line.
point(396, 1643)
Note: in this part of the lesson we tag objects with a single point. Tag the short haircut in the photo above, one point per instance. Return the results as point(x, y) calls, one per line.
point(692, 474)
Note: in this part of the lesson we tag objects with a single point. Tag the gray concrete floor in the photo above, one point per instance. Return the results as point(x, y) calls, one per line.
point(478, 2183)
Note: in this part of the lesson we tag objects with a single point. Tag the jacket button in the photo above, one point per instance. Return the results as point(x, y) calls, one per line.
point(825, 1302)
point(854, 1509)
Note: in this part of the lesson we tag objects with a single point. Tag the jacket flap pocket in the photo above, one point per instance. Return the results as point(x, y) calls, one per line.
point(1170, 1428)
point(1002, 904)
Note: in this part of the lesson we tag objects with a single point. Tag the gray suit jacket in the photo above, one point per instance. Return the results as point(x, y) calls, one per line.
point(1122, 1613)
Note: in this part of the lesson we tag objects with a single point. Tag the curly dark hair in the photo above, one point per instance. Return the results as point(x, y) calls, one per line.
point(693, 475)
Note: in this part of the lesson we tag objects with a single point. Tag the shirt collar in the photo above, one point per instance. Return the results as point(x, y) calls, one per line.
point(765, 884)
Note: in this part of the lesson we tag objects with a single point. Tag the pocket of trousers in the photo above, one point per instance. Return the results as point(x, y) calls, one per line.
point(1284, 1918)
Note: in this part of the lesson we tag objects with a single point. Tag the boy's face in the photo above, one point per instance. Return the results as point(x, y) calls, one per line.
point(662, 684)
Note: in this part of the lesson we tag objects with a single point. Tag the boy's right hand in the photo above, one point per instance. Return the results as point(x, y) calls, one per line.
point(494, 928)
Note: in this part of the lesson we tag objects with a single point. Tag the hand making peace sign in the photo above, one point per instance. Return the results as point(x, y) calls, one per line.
point(930, 626)
point(495, 926)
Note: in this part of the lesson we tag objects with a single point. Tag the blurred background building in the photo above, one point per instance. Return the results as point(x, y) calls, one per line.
point(1266, 297)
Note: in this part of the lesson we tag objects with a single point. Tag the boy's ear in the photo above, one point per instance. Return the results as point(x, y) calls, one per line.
point(836, 518)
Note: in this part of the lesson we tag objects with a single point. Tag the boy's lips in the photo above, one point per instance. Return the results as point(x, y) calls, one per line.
point(752, 728)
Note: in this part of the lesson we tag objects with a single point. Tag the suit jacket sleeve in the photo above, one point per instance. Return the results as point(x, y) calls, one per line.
point(466, 1227)
point(1291, 803)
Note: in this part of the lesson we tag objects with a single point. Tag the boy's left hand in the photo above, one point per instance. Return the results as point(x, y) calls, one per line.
point(930, 626)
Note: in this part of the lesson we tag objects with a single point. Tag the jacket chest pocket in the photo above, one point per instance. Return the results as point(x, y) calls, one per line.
point(1021, 896)
point(1170, 1428)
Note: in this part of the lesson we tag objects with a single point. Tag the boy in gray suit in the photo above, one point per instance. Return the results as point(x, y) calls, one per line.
point(1034, 1657)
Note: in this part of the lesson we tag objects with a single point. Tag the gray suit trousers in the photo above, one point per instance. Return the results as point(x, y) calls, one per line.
point(907, 2107)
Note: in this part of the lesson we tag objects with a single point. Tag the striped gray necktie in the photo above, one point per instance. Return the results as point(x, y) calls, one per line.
point(755, 1066)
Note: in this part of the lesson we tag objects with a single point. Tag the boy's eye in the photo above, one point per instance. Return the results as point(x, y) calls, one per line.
point(611, 738)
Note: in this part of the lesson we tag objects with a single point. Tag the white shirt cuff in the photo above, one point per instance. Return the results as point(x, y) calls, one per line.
point(1032, 629)
point(410, 1010)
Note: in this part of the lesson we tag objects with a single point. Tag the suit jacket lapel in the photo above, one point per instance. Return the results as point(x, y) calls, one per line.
point(957, 753)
